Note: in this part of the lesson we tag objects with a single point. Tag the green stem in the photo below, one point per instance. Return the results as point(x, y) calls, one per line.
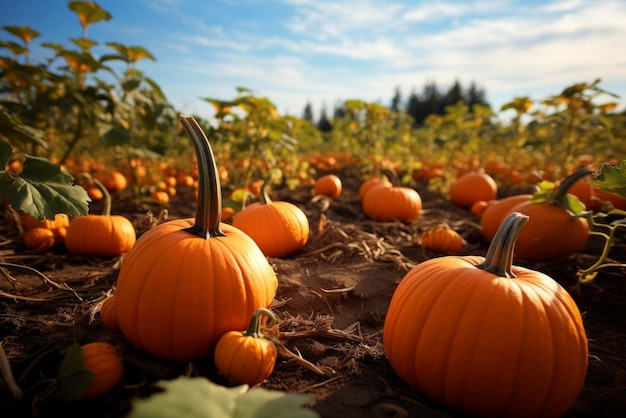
point(569, 181)
point(254, 329)
point(209, 207)
point(391, 176)
point(106, 211)
point(499, 258)
point(265, 190)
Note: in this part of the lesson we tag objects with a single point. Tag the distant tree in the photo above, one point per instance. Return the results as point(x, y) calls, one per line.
point(453, 96)
point(475, 95)
point(340, 111)
point(396, 100)
point(307, 114)
point(323, 124)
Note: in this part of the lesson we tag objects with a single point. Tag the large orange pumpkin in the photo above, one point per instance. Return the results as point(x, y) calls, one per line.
point(486, 338)
point(279, 228)
point(186, 282)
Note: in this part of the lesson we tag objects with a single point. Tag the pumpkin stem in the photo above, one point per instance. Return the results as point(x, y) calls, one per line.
point(499, 258)
point(265, 190)
point(567, 183)
point(254, 329)
point(391, 176)
point(209, 206)
point(106, 211)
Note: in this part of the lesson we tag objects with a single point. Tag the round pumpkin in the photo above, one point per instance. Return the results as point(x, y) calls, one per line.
point(329, 185)
point(108, 313)
point(369, 183)
point(496, 211)
point(39, 239)
point(486, 338)
point(442, 239)
point(187, 282)
point(248, 357)
point(472, 187)
point(279, 228)
point(104, 361)
point(114, 181)
point(102, 235)
point(392, 203)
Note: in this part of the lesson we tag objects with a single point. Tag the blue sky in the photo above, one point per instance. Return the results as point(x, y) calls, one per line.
point(326, 52)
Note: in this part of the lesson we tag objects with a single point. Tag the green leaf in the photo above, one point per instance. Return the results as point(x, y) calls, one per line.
point(73, 380)
point(25, 33)
point(612, 179)
point(6, 151)
point(42, 190)
point(88, 12)
point(197, 397)
point(116, 136)
point(16, 131)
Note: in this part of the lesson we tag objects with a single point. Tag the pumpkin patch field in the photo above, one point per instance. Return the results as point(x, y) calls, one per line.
point(331, 303)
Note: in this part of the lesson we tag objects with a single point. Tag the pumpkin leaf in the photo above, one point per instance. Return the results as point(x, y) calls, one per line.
point(612, 179)
point(73, 380)
point(197, 397)
point(42, 189)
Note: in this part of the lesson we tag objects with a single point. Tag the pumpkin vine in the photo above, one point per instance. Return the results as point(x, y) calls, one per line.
point(255, 328)
point(499, 257)
point(209, 204)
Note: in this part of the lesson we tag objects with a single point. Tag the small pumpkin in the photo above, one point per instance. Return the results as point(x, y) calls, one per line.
point(329, 185)
point(279, 228)
point(104, 361)
point(442, 239)
point(186, 282)
point(486, 338)
point(58, 225)
point(108, 313)
point(552, 231)
point(248, 357)
point(114, 181)
point(39, 239)
point(369, 183)
point(472, 187)
point(102, 235)
point(391, 203)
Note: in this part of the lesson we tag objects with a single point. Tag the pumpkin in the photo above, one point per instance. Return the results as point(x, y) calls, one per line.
point(496, 211)
point(104, 361)
point(108, 313)
point(186, 282)
point(102, 235)
point(114, 181)
point(248, 357)
point(552, 230)
point(478, 208)
point(442, 239)
point(369, 183)
point(39, 239)
point(161, 197)
point(329, 185)
point(384, 203)
point(279, 228)
point(58, 225)
point(472, 187)
point(486, 338)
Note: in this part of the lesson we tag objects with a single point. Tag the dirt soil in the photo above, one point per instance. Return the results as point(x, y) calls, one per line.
point(331, 302)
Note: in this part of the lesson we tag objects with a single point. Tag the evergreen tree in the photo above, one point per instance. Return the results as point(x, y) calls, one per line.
point(339, 112)
point(307, 114)
point(396, 100)
point(323, 124)
point(453, 96)
point(475, 95)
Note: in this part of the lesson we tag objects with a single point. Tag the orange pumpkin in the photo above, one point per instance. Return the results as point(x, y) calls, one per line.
point(39, 239)
point(108, 313)
point(279, 228)
point(486, 338)
point(103, 235)
point(104, 361)
point(442, 239)
point(384, 203)
point(248, 357)
point(58, 225)
point(552, 230)
point(329, 185)
point(114, 181)
point(186, 282)
point(369, 183)
point(496, 211)
point(472, 187)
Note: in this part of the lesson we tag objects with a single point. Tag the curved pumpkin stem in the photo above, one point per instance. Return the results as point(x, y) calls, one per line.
point(567, 183)
point(209, 206)
point(499, 258)
point(254, 329)
point(265, 190)
point(106, 211)
point(391, 175)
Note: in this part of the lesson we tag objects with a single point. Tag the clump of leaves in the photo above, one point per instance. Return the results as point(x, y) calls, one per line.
point(197, 397)
point(42, 189)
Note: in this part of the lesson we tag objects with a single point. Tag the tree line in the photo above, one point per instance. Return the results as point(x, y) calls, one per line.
point(431, 100)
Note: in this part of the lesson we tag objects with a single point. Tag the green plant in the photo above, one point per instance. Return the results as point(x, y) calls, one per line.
point(487, 338)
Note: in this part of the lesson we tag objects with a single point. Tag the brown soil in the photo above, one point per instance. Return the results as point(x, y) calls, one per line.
point(331, 302)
